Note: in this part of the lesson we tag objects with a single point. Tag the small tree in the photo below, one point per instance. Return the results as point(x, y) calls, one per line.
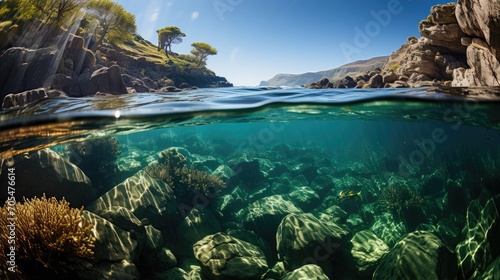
point(115, 24)
point(201, 51)
point(168, 36)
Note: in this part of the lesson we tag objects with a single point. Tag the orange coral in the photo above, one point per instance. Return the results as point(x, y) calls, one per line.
point(47, 232)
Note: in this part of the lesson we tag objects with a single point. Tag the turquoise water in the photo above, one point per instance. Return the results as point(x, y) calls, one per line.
point(382, 184)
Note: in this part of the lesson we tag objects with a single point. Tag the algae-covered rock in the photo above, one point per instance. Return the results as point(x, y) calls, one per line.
point(481, 245)
point(309, 271)
point(388, 229)
point(305, 198)
point(420, 255)
point(175, 273)
point(225, 257)
point(302, 237)
point(367, 250)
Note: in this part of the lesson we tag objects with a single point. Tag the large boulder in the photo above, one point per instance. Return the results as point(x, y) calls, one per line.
point(103, 80)
point(367, 250)
point(44, 171)
point(145, 197)
point(301, 238)
point(420, 255)
point(114, 253)
point(480, 246)
point(224, 257)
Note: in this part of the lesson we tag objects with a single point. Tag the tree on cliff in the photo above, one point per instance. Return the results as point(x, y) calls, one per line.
point(114, 23)
point(168, 36)
point(52, 12)
point(201, 51)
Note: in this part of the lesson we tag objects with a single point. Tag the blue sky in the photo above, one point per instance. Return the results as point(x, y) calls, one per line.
point(258, 39)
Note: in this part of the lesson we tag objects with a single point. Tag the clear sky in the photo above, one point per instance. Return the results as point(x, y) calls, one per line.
point(258, 39)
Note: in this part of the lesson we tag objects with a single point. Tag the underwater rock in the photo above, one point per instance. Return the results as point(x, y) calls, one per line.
point(367, 250)
point(44, 171)
point(248, 172)
point(332, 214)
point(388, 229)
point(144, 196)
point(301, 238)
point(420, 255)
point(122, 217)
point(308, 271)
point(199, 223)
point(225, 257)
point(112, 243)
point(305, 198)
point(224, 172)
point(276, 272)
point(250, 237)
point(481, 244)
point(123, 270)
point(264, 215)
point(230, 203)
point(175, 273)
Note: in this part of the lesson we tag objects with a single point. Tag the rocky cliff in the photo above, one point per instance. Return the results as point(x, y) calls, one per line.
point(460, 46)
point(38, 62)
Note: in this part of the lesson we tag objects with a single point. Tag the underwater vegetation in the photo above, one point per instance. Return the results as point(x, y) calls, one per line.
point(50, 236)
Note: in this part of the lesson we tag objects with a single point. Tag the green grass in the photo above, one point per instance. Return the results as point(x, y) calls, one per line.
point(143, 48)
point(394, 67)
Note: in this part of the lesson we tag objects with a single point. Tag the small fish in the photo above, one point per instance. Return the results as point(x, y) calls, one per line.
point(349, 193)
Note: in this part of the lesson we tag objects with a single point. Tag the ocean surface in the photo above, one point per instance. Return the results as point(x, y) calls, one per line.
point(282, 169)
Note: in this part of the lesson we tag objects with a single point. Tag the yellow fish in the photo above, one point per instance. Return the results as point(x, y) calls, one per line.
point(349, 193)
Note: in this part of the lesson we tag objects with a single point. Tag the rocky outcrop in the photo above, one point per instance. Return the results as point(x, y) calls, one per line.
point(45, 172)
point(460, 46)
point(309, 271)
point(367, 250)
point(21, 99)
point(225, 257)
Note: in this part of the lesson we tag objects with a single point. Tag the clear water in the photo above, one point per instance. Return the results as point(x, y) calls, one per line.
point(439, 148)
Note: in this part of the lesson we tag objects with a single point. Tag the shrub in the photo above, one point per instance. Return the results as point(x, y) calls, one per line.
point(394, 67)
point(48, 235)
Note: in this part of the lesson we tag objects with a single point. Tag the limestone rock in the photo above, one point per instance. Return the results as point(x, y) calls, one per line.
point(144, 196)
point(16, 100)
point(481, 245)
point(308, 271)
point(44, 171)
point(367, 250)
point(225, 257)
point(484, 67)
point(443, 14)
point(420, 255)
point(446, 36)
point(481, 18)
point(300, 235)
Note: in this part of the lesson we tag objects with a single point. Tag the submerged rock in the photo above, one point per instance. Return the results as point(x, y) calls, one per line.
point(481, 245)
point(225, 257)
point(55, 176)
point(302, 237)
point(308, 271)
point(420, 255)
point(144, 196)
point(21, 99)
point(367, 250)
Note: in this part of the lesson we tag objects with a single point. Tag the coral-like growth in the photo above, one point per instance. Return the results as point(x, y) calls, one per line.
point(184, 180)
point(48, 233)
